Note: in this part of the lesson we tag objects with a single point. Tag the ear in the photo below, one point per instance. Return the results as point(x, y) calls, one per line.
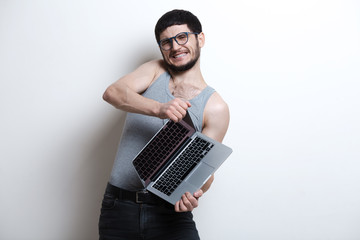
point(201, 38)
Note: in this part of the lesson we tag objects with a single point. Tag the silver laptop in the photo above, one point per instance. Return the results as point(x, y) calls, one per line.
point(178, 159)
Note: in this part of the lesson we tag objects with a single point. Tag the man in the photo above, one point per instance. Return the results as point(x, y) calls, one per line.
point(156, 91)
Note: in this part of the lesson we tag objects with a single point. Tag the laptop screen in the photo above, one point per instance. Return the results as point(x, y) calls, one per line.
point(161, 147)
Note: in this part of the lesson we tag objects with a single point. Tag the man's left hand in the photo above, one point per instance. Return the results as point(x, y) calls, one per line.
point(188, 202)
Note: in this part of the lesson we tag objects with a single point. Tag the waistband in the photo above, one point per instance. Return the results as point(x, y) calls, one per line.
point(139, 197)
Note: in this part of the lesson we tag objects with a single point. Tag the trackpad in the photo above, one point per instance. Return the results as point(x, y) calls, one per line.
point(200, 175)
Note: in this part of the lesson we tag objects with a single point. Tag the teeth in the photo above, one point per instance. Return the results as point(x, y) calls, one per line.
point(180, 55)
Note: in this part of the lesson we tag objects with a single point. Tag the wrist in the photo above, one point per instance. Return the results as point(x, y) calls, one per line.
point(156, 110)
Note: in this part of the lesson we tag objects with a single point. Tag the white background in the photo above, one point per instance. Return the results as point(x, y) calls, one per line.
point(289, 71)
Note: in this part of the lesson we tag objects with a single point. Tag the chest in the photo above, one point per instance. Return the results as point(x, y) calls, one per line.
point(184, 91)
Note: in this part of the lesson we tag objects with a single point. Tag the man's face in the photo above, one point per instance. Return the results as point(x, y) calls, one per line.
point(181, 57)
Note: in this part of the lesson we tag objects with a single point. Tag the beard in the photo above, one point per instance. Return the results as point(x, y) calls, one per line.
point(185, 67)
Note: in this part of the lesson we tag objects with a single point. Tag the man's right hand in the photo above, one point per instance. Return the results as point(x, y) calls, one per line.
point(174, 109)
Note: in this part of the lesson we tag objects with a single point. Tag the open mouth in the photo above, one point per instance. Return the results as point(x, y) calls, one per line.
point(179, 55)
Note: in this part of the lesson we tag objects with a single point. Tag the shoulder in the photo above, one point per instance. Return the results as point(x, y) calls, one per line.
point(216, 117)
point(216, 105)
point(153, 67)
point(154, 64)
point(143, 76)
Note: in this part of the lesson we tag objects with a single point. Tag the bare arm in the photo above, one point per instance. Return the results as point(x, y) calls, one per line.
point(217, 118)
point(125, 94)
point(216, 122)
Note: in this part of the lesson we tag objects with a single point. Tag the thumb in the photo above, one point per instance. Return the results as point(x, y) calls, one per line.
point(198, 193)
point(186, 101)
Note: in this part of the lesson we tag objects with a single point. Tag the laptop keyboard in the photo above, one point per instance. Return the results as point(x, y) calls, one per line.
point(180, 168)
point(159, 148)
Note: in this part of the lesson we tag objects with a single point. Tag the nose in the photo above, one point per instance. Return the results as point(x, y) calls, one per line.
point(175, 45)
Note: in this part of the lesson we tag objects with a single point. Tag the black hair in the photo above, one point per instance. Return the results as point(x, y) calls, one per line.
point(177, 17)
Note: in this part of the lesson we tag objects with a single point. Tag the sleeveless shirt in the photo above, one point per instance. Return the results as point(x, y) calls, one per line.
point(139, 129)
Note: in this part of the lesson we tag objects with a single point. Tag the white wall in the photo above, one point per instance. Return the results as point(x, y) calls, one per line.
point(288, 69)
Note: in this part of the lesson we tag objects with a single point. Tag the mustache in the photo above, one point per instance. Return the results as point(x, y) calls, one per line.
point(172, 53)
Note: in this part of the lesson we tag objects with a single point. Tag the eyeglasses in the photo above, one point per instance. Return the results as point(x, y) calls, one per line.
point(181, 39)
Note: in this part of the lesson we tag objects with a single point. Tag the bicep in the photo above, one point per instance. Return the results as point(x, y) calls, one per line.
point(140, 79)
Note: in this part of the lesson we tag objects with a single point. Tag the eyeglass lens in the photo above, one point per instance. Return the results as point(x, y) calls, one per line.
point(180, 38)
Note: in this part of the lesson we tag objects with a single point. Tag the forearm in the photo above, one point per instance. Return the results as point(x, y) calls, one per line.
point(208, 183)
point(127, 100)
point(122, 97)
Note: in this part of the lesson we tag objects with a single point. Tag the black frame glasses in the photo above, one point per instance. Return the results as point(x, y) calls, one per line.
point(180, 38)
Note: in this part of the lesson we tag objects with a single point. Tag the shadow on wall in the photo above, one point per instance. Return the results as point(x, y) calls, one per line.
point(94, 172)
point(92, 177)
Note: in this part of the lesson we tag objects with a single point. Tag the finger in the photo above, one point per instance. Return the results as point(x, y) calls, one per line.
point(173, 114)
point(188, 201)
point(183, 103)
point(186, 104)
point(181, 108)
point(177, 109)
point(182, 206)
point(177, 206)
point(182, 111)
point(192, 200)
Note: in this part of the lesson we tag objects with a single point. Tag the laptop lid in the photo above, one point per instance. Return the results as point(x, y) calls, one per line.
point(161, 167)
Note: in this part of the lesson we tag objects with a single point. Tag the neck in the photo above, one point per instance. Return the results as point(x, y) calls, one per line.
point(192, 76)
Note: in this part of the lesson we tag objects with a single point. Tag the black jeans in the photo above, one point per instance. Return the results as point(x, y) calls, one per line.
point(121, 219)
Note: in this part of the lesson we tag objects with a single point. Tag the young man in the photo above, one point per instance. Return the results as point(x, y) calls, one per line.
point(156, 91)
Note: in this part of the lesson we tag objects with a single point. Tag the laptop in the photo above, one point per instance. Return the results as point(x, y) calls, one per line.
point(178, 159)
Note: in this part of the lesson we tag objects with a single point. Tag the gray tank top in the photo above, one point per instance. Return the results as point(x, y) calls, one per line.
point(139, 129)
